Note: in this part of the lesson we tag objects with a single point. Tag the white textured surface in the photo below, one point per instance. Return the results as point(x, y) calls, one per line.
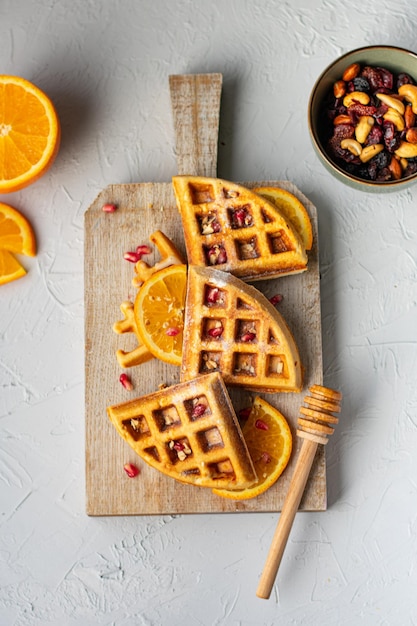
point(106, 65)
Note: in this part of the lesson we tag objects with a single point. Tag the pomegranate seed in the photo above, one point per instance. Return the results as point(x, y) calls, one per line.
point(215, 332)
point(248, 337)
point(109, 208)
point(212, 295)
point(261, 425)
point(241, 218)
point(131, 470)
point(178, 446)
point(198, 410)
point(132, 257)
point(143, 249)
point(126, 382)
point(276, 299)
point(172, 331)
point(244, 413)
point(266, 458)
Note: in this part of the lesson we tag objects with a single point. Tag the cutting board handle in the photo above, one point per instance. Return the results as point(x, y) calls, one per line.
point(195, 100)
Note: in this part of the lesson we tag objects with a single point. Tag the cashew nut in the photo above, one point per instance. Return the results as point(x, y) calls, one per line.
point(410, 94)
point(363, 128)
point(391, 101)
point(370, 151)
point(356, 96)
point(393, 116)
point(407, 150)
point(352, 145)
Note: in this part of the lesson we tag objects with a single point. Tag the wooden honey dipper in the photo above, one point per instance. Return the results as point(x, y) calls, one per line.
point(314, 428)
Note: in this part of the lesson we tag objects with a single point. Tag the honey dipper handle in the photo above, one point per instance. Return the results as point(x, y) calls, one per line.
point(195, 100)
point(286, 519)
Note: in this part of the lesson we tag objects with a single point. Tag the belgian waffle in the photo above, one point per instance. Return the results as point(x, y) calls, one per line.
point(234, 229)
point(190, 432)
point(231, 327)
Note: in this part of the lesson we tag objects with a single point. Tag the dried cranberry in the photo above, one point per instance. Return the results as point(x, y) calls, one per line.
point(375, 135)
point(404, 79)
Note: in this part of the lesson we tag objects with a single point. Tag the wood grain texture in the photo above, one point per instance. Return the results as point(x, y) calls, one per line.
point(195, 101)
point(143, 208)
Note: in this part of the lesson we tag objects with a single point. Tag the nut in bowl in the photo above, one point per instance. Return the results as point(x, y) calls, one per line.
point(362, 118)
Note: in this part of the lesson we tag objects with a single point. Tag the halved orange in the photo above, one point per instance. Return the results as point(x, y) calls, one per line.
point(159, 312)
point(29, 133)
point(292, 208)
point(16, 235)
point(269, 440)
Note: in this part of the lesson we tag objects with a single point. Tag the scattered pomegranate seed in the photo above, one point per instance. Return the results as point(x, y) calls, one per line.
point(172, 331)
point(248, 337)
point(136, 256)
point(261, 425)
point(276, 299)
point(178, 446)
point(132, 257)
point(266, 458)
point(215, 332)
point(126, 382)
point(143, 249)
point(198, 410)
point(244, 413)
point(131, 470)
point(109, 208)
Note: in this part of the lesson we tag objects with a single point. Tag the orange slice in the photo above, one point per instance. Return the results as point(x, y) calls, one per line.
point(292, 209)
point(16, 233)
point(10, 268)
point(159, 313)
point(269, 441)
point(29, 133)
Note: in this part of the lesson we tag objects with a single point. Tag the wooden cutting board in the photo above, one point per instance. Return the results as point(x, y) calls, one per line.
point(142, 209)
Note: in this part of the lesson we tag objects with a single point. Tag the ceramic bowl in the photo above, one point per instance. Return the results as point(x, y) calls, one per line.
point(395, 60)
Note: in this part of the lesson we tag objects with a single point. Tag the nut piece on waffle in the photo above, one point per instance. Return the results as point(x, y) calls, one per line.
point(236, 230)
point(232, 328)
point(190, 432)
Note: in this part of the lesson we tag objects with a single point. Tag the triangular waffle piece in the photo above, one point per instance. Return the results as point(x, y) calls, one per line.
point(190, 432)
point(234, 229)
point(231, 327)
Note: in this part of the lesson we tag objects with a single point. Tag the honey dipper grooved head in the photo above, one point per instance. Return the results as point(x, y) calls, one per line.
point(317, 415)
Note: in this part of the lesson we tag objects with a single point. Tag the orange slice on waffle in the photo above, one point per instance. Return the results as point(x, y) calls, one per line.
point(233, 229)
point(189, 432)
point(294, 210)
point(232, 328)
point(159, 313)
point(269, 440)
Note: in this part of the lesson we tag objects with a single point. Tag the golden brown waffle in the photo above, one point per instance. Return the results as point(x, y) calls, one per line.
point(234, 229)
point(231, 327)
point(190, 432)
